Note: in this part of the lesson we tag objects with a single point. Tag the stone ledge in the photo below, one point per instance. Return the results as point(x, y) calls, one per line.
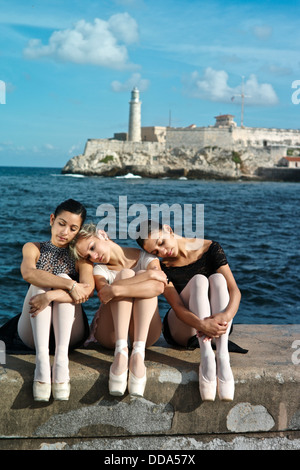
point(266, 398)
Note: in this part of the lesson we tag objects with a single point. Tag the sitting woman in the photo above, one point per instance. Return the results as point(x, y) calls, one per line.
point(128, 282)
point(57, 288)
point(204, 299)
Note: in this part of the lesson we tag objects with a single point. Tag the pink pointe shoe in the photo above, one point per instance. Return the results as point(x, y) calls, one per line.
point(207, 388)
point(117, 384)
point(41, 391)
point(61, 391)
point(136, 385)
point(226, 387)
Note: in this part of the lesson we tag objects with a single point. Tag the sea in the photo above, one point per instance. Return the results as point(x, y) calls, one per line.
point(256, 223)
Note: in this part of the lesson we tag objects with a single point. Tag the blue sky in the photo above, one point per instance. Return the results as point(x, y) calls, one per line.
point(69, 66)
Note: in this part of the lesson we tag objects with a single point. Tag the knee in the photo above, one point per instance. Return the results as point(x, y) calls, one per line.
point(217, 281)
point(126, 273)
point(34, 290)
point(200, 282)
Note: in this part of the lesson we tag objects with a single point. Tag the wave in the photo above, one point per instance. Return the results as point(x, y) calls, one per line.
point(75, 175)
point(129, 175)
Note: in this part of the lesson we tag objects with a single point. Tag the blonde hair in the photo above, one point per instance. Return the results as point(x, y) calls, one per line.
point(86, 231)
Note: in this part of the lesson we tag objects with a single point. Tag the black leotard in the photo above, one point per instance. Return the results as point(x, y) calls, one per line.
point(207, 264)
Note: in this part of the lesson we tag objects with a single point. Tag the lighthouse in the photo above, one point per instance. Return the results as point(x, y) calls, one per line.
point(134, 129)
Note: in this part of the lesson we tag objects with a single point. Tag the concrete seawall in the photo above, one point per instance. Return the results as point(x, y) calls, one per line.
point(265, 410)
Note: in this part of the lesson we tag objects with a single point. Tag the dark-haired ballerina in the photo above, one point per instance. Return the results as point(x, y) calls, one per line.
point(57, 288)
point(204, 298)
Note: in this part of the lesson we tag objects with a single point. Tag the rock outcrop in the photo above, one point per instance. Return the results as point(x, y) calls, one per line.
point(115, 158)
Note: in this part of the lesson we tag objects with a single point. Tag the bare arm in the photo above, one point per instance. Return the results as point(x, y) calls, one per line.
point(80, 293)
point(38, 277)
point(209, 326)
point(145, 285)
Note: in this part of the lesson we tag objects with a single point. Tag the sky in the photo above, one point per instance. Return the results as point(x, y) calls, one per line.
point(67, 69)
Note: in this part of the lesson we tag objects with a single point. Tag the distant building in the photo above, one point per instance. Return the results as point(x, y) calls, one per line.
point(154, 134)
point(292, 162)
point(225, 120)
point(223, 134)
point(134, 128)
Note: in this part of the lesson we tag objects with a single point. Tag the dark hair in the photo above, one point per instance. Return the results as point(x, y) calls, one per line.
point(145, 228)
point(70, 205)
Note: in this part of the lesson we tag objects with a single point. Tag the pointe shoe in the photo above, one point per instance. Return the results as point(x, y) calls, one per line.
point(136, 385)
point(61, 392)
point(41, 391)
point(226, 389)
point(207, 388)
point(117, 384)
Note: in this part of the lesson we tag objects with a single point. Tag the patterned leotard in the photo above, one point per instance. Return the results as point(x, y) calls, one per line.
point(56, 260)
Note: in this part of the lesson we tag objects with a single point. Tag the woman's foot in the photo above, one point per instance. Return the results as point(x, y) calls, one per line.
point(225, 378)
point(207, 373)
point(118, 372)
point(61, 391)
point(137, 373)
point(41, 391)
point(207, 387)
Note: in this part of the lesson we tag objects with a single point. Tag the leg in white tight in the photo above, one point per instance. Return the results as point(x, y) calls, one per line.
point(219, 298)
point(143, 314)
point(121, 315)
point(195, 295)
point(204, 297)
point(66, 330)
point(137, 318)
point(35, 332)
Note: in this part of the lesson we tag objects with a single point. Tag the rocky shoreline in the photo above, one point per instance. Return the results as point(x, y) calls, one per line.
point(111, 158)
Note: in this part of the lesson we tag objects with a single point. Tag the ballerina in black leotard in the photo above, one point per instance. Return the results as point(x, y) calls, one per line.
point(204, 298)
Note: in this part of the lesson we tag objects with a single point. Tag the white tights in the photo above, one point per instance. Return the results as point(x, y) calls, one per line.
point(205, 297)
point(68, 328)
point(142, 312)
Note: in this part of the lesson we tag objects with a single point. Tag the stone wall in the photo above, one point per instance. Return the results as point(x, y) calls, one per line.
point(171, 415)
point(231, 137)
point(108, 146)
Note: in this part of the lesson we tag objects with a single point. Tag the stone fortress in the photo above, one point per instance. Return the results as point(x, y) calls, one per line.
point(222, 151)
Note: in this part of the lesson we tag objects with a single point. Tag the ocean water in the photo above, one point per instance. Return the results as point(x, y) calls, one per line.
point(257, 224)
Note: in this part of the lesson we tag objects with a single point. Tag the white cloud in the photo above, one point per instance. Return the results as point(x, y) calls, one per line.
point(260, 94)
point(213, 86)
point(124, 27)
point(100, 43)
point(135, 80)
